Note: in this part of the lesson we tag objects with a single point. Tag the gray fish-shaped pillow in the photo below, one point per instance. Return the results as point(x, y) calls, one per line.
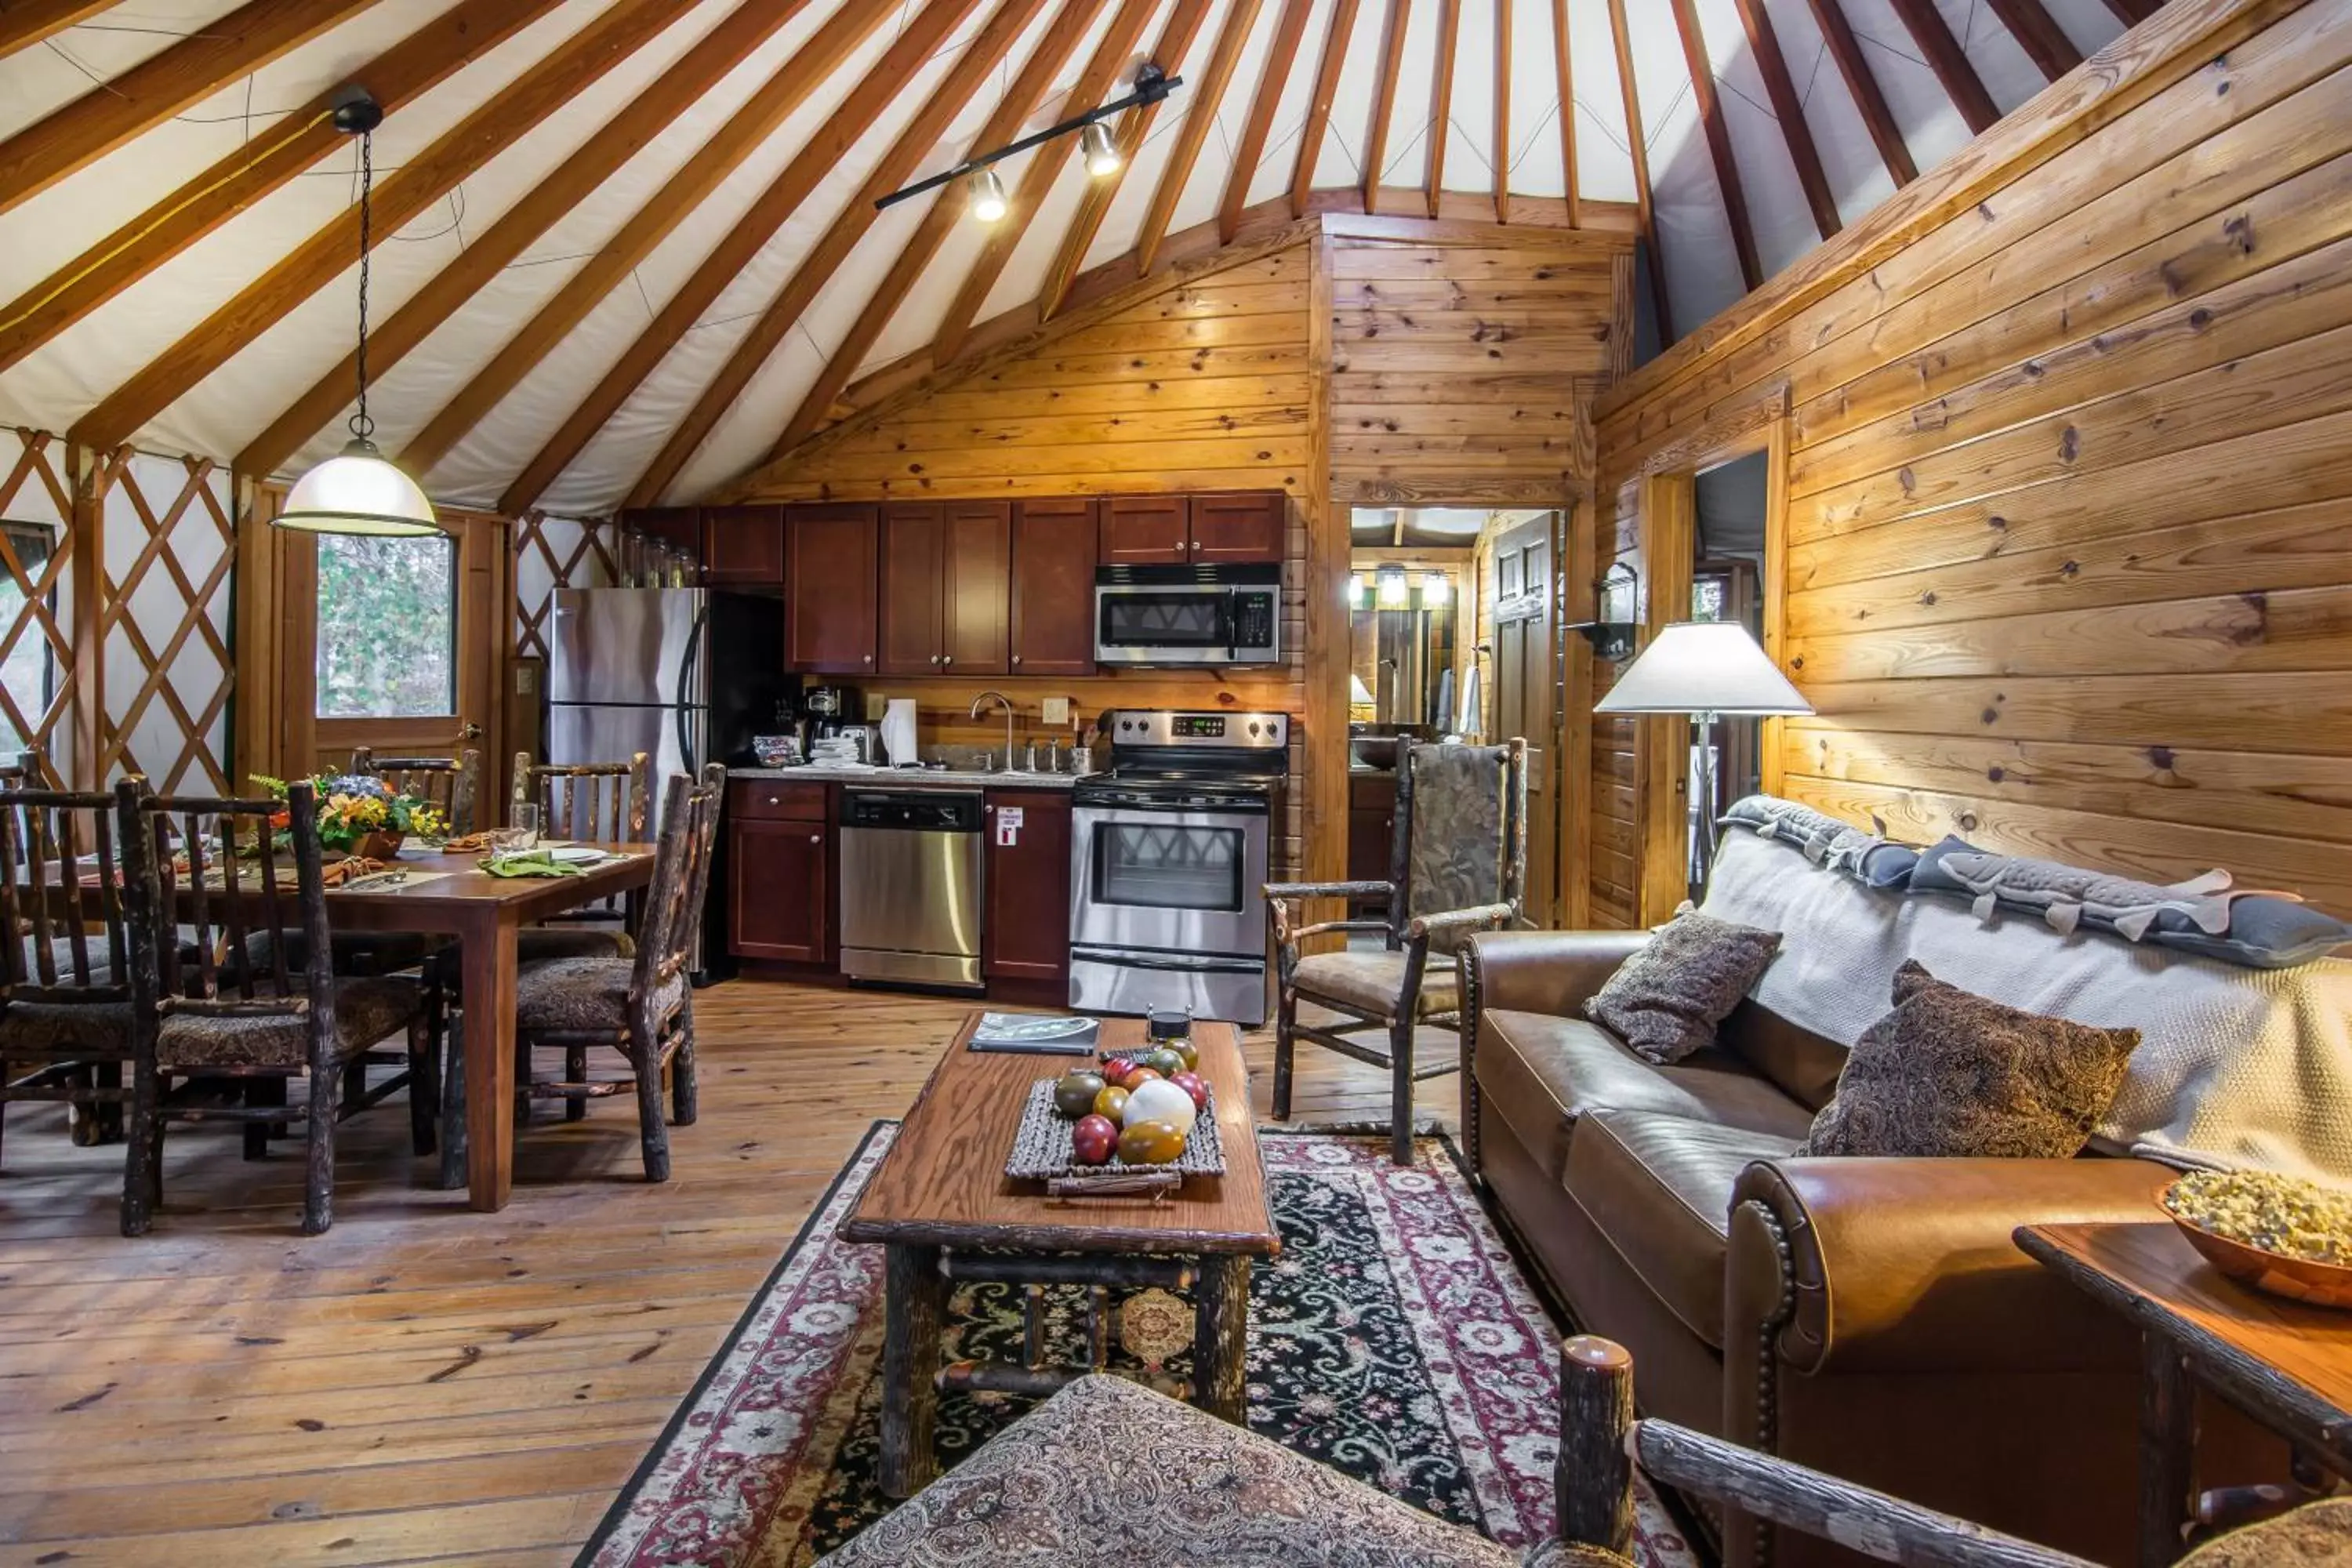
point(2065, 894)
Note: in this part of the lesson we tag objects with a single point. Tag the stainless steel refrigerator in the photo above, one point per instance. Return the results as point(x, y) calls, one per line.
point(687, 676)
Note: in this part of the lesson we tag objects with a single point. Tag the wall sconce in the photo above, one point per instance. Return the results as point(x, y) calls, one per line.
point(1355, 590)
point(1611, 635)
point(1436, 587)
point(1396, 593)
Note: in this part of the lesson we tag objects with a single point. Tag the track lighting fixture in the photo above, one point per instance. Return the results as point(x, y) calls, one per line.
point(988, 203)
point(1098, 149)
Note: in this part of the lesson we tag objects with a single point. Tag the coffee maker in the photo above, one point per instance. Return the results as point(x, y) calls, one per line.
point(830, 709)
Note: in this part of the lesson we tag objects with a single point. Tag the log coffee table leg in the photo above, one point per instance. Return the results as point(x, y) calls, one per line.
point(1221, 1338)
point(914, 1301)
point(2167, 1438)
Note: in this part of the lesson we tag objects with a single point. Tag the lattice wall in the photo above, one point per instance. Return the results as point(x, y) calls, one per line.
point(36, 488)
point(553, 553)
point(169, 551)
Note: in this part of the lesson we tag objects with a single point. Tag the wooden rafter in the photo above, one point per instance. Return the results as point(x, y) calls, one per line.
point(1175, 42)
point(736, 249)
point(692, 75)
point(1318, 105)
point(1198, 120)
point(1020, 100)
point(1502, 162)
point(26, 21)
point(1565, 87)
point(158, 87)
point(1046, 164)
point(2044, 43)
point(1376, 135)
point(1637, 142)
point(1441, 99)
point(916, 143)
point(275, 154)
point(735, 140)
point(2132, 12)
point(419, 183)
point(1847, 50)
point(1948, 61)
point(1764, 44)
point(1280, 56)
point(1719, 141)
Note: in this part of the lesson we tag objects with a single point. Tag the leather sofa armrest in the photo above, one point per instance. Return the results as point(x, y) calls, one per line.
point(1528, 971)
point(1906, 1264)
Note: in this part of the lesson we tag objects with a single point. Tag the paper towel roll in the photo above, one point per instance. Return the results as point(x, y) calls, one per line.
point(898, 732)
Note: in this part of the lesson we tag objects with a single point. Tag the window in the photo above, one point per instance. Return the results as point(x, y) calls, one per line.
point(30, 670)
point(387, 627)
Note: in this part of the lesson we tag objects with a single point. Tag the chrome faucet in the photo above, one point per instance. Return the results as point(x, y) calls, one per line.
point(1006, 703)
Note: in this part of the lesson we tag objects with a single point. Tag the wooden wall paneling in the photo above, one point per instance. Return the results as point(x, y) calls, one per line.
point(1326, 568)
point(36, 487)
point(1669, 550)
point(1579, 591)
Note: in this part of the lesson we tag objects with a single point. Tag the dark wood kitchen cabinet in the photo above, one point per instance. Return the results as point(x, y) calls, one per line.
point(831, 553)
point(1226, 529)
point(1145, 531)
point(946, 582)
point(743, 546)
point(677, 526)
point(780, 893)
point(1372, 831)
point(1054, 547)
point(1027, 926)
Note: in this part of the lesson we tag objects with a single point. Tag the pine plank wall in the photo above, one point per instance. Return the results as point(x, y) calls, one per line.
point(2068, 476)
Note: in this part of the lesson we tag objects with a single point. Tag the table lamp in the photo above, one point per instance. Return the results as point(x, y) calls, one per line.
point(1704, 668)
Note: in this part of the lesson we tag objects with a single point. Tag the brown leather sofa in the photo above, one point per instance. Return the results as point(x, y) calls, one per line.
point(1867, 1316)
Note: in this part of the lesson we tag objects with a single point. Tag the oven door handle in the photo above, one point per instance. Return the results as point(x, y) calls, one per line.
point(1169, 966)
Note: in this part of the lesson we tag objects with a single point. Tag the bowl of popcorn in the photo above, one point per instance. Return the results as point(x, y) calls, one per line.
point(2279, 1234)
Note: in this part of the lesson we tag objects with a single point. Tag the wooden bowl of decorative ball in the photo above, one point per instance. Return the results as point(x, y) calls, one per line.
point(2313, 1280)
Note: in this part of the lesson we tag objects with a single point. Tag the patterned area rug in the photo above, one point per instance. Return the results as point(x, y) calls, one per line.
point(1394, 1339)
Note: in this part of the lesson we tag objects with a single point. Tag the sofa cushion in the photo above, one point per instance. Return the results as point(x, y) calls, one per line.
point(1542, 1072)
point(1659, 1189)
point(1666, 1000)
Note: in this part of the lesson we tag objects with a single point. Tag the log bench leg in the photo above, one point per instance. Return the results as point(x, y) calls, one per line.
point(914, 1304)
point(1221, 1338)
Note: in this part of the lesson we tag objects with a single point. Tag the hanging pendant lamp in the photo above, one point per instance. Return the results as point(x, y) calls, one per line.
point(359, 491)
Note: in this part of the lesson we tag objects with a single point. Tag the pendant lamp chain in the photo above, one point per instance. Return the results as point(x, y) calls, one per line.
point(362, 427)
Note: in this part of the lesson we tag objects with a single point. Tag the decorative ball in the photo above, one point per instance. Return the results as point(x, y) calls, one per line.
point(1074, 1096)
point(1110, 1103)
point(1118, 1067)
point(1164, 1060)
point(1137, 1074)
point(1191, 1083)
point(1150, 1142)
point(1093, 1141)
point(1157, 1099)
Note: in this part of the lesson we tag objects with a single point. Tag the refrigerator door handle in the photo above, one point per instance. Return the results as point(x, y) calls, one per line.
point(686, 664)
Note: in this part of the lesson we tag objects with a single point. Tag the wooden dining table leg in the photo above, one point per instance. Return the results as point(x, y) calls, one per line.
point(488, 957)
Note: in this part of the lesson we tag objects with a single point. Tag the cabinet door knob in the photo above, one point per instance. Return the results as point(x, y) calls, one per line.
point(771, 800)
point(816, 837)
point(1016, 658)
point(935, 658)
point(947, 658)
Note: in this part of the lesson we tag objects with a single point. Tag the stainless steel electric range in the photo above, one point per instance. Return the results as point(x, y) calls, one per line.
point(1168, 864)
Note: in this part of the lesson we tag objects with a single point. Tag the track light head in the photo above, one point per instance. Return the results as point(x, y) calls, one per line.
point(988, 200)
point(1099, 150)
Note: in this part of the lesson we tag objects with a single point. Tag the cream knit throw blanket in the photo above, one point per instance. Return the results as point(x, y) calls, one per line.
point(2236, 1067)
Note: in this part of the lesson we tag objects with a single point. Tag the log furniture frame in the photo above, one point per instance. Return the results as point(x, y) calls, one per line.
point(452, 783)
point(45, 836)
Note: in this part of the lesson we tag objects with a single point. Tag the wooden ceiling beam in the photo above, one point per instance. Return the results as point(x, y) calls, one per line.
point(1175, 43)
point(2132, 12)
point(1718, 143)
point(1376, 135)
point(1281, 54)
point(275, 154)
point(420, 181)
point(915, 144)
point(1047, 165)
point(2044, 43)
point(1764, 44)
point(1020, 100)
point(742, 133)
point(693, 74)
point(1198, 120)
point(1637, 143)
point(1502, 160)
point(1948, 61)
point(1318, 105)
point(158, 87)
point(1441, 99)
point(1565, 87)
point(1868, 99)
point(741, 244)
point(26, 21)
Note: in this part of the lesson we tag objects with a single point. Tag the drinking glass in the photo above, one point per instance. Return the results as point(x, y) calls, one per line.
point(521, 835)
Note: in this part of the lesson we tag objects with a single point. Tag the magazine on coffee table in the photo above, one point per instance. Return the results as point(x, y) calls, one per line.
point(1048, 1034)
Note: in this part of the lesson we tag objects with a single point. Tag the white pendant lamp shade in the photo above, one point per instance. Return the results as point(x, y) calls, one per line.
point(357, 491)
point(1099, 150)
point(1703, 666)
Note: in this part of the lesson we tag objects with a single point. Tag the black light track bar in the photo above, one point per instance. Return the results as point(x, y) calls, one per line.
point(1150, 86)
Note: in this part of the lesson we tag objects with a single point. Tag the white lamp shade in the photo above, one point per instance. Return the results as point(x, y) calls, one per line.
point(357, 491)
point(1703, 666)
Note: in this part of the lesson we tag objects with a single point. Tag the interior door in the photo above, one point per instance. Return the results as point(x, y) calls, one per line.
point(1526, 689)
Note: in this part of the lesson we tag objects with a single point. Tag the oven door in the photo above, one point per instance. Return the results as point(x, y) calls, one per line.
point(1138, 622)
point(1168, 882)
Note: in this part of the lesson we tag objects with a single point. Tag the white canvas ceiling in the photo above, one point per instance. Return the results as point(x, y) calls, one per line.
point(45, 235)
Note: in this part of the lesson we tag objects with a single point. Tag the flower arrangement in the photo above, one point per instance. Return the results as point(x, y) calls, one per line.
point(359, 815)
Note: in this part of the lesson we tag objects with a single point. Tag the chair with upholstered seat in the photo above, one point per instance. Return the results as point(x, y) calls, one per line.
point(261, 1000)
point(1457, 865)
point(641, 1006)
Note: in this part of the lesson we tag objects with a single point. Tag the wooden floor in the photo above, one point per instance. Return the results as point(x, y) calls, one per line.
point(423, 1384)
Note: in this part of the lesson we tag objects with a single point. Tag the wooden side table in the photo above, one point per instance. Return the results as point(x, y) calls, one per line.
point(2283, 1365)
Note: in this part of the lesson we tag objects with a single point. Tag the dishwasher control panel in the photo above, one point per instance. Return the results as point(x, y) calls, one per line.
point(918, 811)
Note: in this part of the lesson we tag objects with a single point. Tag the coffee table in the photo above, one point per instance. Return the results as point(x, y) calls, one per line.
point(940, 1196)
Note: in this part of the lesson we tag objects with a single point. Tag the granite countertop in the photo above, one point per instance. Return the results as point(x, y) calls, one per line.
point(910, 778)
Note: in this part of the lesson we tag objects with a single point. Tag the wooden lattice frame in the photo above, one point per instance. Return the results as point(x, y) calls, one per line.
point(116, 618)
point(36, 469)
point(529, 535)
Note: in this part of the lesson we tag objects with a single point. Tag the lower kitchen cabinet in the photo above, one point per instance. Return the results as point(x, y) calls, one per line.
point(1027, 921)
point(780, 893)
point(1372, 831)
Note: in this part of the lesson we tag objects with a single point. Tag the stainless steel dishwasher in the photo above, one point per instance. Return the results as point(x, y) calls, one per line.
point(910, 886)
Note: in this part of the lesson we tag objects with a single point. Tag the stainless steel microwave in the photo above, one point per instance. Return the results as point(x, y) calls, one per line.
point(1188, 615)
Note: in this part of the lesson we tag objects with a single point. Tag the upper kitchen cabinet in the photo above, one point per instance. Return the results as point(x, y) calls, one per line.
point(679, 527)
point(1244, 526)
point(743, 546)
point(831, 558)
point(1055, 549)
point(947, 569)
